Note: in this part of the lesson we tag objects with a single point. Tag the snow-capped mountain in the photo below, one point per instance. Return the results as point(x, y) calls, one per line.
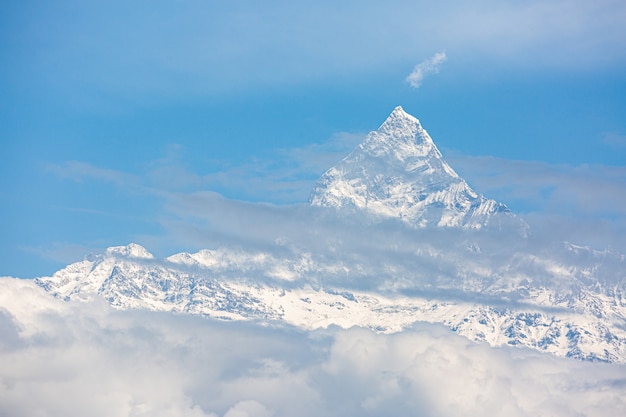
point(432, 256)
point(398, 171)
point(567, 320)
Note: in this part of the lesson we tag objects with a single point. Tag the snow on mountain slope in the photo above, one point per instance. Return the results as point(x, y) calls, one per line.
point(398, 171)
point(235, 285)
point(461, 261)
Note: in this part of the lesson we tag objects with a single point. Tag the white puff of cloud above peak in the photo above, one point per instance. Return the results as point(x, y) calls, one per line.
point(424, 68)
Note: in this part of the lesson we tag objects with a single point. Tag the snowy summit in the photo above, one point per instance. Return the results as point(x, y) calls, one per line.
point(397, 171)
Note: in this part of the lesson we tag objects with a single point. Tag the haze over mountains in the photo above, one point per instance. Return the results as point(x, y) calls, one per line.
point(392, 237)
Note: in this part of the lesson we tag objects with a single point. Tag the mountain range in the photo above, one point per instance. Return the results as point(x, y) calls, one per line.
point(392, 236)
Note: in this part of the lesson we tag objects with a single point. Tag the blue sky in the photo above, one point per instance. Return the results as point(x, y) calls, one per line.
point(109, 109)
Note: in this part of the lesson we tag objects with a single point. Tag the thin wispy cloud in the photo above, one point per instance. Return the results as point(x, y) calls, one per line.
point(192, 206)
point(615, 140)
point(81, 171)
point(582, 204)
point(424, 68)
point(283, 175)
point(583, 190)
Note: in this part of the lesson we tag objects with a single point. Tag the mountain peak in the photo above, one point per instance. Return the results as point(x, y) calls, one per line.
point(397, 171)
point(132, 250)
point(399, 112)
point(403, 143)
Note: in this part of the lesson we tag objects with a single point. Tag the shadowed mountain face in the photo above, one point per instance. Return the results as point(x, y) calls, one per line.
point(397, 171)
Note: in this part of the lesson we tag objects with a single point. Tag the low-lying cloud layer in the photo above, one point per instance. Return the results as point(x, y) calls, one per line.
point(581, 204)
point(585, 204)
point(76, 359)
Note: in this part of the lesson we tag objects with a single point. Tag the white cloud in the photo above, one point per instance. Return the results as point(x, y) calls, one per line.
point(585, 203)
point(80, 171)
point(77, 359)
point(615, 140)
point(581, 204)
point(284, 175)
point(62, 252)
point(248, 409)
point(587, 189)
point(421, 70)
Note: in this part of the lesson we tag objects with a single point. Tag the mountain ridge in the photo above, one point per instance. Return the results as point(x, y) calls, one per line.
point(442, 262)
point(572, 322)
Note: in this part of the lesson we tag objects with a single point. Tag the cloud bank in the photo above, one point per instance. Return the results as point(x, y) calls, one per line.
point(584, 203)
point(421, 70)
point(76, 359)
point(581, 204)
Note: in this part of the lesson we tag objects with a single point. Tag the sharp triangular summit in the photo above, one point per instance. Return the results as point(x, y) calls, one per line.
point(397, 171)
